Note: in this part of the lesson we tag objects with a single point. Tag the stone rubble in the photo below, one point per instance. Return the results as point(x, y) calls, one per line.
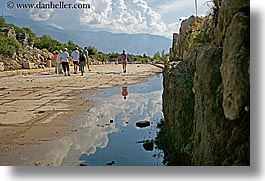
point(28, 58)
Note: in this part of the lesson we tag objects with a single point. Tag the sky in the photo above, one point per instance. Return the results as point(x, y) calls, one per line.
point(159, 17)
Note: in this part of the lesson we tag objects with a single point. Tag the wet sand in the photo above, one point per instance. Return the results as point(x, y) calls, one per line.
point(38, 112)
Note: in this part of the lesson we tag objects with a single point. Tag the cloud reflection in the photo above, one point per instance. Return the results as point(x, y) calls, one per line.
point(96, 124)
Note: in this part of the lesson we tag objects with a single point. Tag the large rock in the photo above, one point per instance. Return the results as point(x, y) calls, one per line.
point(225, 12)
point(28, 65)
point(148, 145)
point(206, 108)
point(235, 67)
point(23, 39)
point(208, 114)
point(49, 64)
point(175, 40)
point(9, 32)
point(186, 29)
point(178, 108)
point(2, 67)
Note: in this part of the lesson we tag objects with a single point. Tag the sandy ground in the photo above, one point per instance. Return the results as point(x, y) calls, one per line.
point(37, 112)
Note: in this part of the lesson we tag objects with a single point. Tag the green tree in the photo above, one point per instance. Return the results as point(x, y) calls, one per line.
point(101, 57)
point(2, 22)
point(145, 55)
point(113, 55)
point(71, 45)
point(47, 42)
point(25, 31)
point(145, 58)
point(92, 50)
point(157, 56)
point(8, 46)
point(163, 54)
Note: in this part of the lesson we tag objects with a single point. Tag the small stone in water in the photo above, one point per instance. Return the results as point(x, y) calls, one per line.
point(111, 163)
point(143, 124)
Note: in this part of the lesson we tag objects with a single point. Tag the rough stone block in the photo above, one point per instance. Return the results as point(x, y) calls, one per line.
point(235, 67)
point(2, 67)
point(28, 65)
point(49, 64)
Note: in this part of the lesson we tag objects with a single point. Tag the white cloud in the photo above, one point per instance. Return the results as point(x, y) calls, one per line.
point(56, 26)
point(123, 16)
point(41, 15)
point(94, 132)
point(120, 16)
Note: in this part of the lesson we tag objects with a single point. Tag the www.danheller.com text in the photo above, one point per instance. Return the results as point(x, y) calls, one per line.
point(47, 5)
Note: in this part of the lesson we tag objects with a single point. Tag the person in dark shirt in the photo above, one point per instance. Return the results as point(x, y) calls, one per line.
point(82, 62)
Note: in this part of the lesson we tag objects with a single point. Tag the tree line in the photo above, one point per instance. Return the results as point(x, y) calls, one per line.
point(8, 46)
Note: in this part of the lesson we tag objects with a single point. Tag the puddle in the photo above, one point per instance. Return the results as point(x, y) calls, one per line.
point(110, 135)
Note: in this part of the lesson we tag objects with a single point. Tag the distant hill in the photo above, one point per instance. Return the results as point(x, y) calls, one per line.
point(104, 41)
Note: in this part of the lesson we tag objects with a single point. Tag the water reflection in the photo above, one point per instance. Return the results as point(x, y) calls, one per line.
point(110, 135)
point(124, 92)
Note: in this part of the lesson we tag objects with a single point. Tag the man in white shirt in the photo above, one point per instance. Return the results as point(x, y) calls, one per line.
point(75, 55)
point(65, 62)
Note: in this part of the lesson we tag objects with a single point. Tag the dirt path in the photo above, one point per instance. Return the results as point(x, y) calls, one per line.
point(38, 111)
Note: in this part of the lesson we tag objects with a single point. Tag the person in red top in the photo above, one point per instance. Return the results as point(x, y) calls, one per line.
point(55, 60)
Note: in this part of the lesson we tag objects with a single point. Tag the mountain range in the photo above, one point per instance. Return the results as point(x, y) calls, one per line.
point(104, 41)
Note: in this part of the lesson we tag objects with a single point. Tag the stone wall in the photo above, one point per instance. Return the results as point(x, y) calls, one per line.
point(206, 97)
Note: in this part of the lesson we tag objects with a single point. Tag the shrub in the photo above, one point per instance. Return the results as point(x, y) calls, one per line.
point(2, 22)
point(8, 46)
point(92, 50)
point(45, 50)
point(200, 39)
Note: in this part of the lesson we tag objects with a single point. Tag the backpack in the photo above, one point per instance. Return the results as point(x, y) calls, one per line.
point(82, 58)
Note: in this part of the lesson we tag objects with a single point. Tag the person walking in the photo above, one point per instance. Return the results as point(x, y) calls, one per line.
point(85, 53)
point(55, 60)
point(65, 62)
point(75, 55)
point(124, 61)
point(82, 61)
point(60, 61)
point(58, 66)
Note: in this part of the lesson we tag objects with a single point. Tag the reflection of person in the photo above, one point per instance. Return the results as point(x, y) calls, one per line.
point(124, 61)
point(124, 92)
